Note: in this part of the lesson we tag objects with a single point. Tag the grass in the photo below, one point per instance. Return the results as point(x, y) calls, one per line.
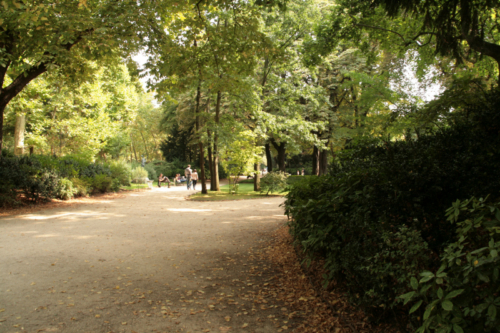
point(245, 191)
point(135, 187)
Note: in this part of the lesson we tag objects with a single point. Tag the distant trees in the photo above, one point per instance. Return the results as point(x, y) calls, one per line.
point(41, 36)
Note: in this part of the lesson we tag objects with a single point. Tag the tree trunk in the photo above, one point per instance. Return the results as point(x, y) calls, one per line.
point(135, 153)
point(256, 177)
point(145, 146)
point(323, 162)
point(2, 109)
point(269, 157)
point(200, 144)
point(210, 159)
point(19, 135)
point(281, 148)
point(215, 167)
point(315, 163)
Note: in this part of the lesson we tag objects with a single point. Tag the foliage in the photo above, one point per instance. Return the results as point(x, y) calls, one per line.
point(239, 156)
point(121, 171)
point(151, 171)
point(275, 181)
point(139, 175)
point(100, 183)
point(65, 189)
point(81, 186)
point(379, 213)
point(462, 296)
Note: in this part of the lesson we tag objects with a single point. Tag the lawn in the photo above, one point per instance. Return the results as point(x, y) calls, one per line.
point(245, 191)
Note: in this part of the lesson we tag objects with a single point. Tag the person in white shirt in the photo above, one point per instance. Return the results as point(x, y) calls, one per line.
point(194, 177)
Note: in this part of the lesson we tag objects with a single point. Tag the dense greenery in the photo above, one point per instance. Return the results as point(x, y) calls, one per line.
point(378, 218)
point(40, 177)
point(394, 103)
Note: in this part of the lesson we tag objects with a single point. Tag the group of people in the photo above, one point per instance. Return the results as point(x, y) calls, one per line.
point(299, 173)
point(190, 177)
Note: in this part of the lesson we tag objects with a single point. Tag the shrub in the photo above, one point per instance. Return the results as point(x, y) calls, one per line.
point(115, 185)
point(151, 171)
point(139, 175)
point(273, 182)
point(463, 295)
point(162, 167)
point(121, 171)
point(65, 189)
point(10, 179)
point(94, 169)
point(81, 187)
point(384, 203)
point(100, 183)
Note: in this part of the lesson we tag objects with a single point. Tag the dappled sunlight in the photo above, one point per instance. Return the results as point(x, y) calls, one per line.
point(47, 235)
point(83, 236)
point(188, 210)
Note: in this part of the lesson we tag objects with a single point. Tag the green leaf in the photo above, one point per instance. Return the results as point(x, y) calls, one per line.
point(415, 306)
point(454, 293)
point(407, 296)
point(440, 293)
point(414, 283)
point(425, 279)
point(483, 277)
point(492, 312)
point(447, 305)
point(457, 328)
point(427, 312)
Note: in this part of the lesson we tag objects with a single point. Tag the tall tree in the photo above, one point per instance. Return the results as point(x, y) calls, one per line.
point(37, 36)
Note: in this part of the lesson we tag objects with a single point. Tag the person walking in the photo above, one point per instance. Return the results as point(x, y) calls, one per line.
point(194, 177)
point(188, 172)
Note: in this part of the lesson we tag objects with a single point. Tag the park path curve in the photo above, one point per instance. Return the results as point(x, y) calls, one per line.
point(149, 262)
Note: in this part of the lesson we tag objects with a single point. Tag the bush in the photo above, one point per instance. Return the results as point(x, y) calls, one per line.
point(81, 187)
point(139, 175)
point(100, 183)
point(121, 171)
point(162, 167)
point(94, 169)
point(378, 217)
point(65, 189)
point(273, 182)
point(151, 171)
point(463, 295)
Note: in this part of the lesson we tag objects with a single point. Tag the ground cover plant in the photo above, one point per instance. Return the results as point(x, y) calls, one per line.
point(378, 219)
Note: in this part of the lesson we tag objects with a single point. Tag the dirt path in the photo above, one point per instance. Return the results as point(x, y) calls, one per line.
point(149, 262)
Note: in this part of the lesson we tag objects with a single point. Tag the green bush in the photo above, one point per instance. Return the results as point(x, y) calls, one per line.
point(81, 187)
point(139, 175)
point(463, 295)
point(115, 185)
point(151, 171)
point(162, 167)
point(273, 182)
point(100, 183)
point(65, 189)
point(378, 217)
point(121, 171)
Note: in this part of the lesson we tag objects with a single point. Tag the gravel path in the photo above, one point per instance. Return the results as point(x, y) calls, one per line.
point(149, 262)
